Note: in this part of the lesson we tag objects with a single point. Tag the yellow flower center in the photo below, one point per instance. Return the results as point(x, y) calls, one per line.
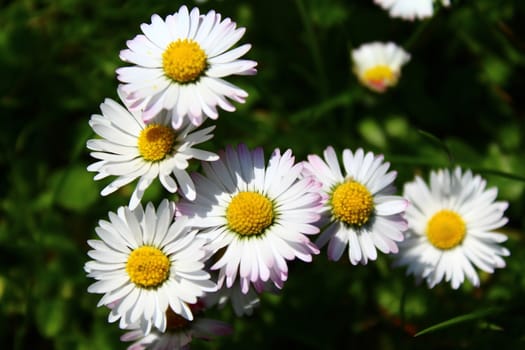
point(379, 77)
point(352, 203)
point(184, 61)
point(156, 141)
point(446, 229)
point(249, 213)
point(148, 267)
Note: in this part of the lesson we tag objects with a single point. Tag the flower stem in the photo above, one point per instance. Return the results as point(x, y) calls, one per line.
point(314, 48)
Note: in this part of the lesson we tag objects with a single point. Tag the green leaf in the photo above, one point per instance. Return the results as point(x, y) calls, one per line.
point(50, 317)
point(460, 319)
point(500, 173)
point(321, 109)
point(372, 132)
point(439, 142)
point(76, 190)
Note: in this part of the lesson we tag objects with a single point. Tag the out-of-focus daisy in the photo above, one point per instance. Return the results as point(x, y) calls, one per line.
point(179, 332)
point(255, 216)
point(179, 63)
point(242, 304)
point(145, 263)
point(451, 228)
point(130, 149)
point(360, 210)
point(378, 65)
point(410, 9)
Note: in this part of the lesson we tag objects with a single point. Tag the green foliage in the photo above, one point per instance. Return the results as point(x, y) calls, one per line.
point(460, 100)
point(459, 319)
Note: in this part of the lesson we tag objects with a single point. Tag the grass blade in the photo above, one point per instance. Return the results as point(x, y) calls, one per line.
point(459, 319)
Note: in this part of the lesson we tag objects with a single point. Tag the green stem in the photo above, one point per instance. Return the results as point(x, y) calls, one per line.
point(313, 44)
point(441, 144)
point(416, 34)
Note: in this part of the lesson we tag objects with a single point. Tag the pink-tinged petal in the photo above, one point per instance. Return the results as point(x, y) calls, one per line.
point(221, 70)
point(231, 55)
point(142, 45)
point(337, 246)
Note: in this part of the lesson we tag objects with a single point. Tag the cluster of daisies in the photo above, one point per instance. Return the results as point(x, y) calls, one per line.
point(232, 228)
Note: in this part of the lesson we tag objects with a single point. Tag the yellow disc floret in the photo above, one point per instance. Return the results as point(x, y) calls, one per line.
point(184, 61)
point(352, 203)
point(379, 77)
point(249, 213)
point(156, 141)
point(446, 229)
point(148, 267)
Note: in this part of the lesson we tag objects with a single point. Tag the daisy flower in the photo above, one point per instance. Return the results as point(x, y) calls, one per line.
point(242, 304)
point(410, 9)
point(378, 65)
point(179, 332)
point(451, 228)
point(178, 65)
point(255, 216)
point(360, 210)
point(131, 149)
point(146, 263)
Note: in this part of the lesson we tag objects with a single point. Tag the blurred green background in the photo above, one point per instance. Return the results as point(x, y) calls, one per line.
point(460, 100)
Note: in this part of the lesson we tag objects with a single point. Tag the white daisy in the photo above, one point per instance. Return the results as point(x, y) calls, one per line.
point(179, 332)
point(410, 9)
point(360, 210)
point(179, 63)
point(145, 263)
point(451, 228)
point(255, 216)
point(378, 65)
point(130, 149)
point(242, 304)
